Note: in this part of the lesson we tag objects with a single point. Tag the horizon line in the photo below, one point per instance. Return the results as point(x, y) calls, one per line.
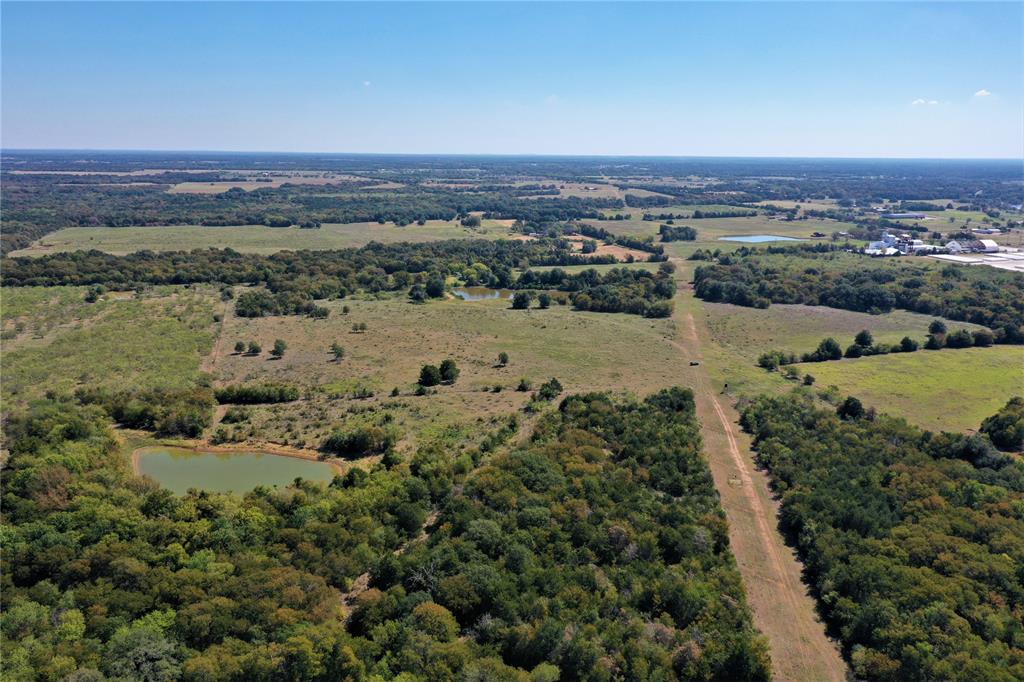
point(5, 150)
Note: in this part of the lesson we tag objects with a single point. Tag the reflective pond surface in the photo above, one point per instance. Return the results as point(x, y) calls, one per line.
point(179, 469)
point(481, 293)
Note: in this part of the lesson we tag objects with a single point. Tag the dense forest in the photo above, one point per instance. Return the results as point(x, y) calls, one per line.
point(984, 296)
point(912, 541)
point(597, 551)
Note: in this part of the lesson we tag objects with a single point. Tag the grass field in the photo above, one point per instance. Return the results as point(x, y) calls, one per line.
point(255, 238)
point(585, 351)
point(157, 340)
point(748, 332)
point(951, 390)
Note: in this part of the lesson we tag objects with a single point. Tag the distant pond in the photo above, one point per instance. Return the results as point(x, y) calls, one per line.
point(179, 469)
point(758, 238)
point(481, 293)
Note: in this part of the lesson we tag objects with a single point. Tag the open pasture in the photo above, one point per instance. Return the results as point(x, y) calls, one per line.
point(401, 337)
point(255, 238)
point(952, 390)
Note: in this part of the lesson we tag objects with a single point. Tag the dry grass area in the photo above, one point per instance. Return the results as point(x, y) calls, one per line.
point(401, 337)
point(621, 253)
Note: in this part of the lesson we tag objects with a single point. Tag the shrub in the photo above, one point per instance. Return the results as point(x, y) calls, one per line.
point(254, 394)
point(359, 441)
point(430, 375)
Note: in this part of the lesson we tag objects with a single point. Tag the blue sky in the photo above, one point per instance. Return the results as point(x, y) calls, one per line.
point(719, 79)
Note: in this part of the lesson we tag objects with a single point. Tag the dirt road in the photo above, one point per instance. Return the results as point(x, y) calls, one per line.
point(783, 610)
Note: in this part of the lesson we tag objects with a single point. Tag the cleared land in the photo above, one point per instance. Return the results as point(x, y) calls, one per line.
point(783, 609)
point(585, 351)
point(952, 390)
point(256, 238)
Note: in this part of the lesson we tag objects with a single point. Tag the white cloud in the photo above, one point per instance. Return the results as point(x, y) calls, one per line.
point(921, 102)
point(982, 93)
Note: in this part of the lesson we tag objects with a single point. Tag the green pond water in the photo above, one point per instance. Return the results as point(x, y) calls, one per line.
point(179, 469)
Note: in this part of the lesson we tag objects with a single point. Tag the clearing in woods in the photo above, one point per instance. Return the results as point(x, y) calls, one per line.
point(783, 609)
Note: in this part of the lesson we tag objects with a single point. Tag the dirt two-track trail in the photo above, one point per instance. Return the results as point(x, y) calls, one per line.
point(782, 607)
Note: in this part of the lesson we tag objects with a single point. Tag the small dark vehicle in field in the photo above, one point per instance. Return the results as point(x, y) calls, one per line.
point(693, 363)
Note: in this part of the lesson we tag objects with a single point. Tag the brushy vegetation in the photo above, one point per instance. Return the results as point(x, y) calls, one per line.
point(255, 394)
point(912, 541)
point(982, 296)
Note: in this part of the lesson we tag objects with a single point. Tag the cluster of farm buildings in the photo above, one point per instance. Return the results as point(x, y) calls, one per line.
point(907, 245)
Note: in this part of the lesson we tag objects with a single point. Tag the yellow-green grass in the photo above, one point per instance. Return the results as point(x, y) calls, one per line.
point(748, 332)
point(127, 343)
point(255, 238)
point(585, 351)
point(952, 390)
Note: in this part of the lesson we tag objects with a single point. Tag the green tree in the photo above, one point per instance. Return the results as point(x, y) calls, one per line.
point(430, 375)
point(449, 371)
point(908, 345)
point(338, 351)
point(502, 359)
point(279, 348)
point(544, 300)
point(864, 338)
point(851, 408)
point(1006, 427)
point(937, 327)
point(521, 300)
point(240, 347)
point(255, 348)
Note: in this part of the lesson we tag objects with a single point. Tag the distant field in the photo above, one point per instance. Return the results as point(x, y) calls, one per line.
point(748, 332)
point(637, 265)
point(255, 238)
point(948, 389)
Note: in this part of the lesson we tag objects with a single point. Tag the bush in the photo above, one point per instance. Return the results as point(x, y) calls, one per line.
point(430, 375)
point(550, 389)
point(359, 441)
point(448, 370)
point(254, 394)
point(850, 409)
point(521, 300)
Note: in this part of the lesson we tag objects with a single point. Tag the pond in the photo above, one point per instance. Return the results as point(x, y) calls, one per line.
point(481, 293)
point(758, 238)
point(179, 469)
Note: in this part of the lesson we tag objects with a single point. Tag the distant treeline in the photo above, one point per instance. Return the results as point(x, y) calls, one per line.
point(984, 296)
point(911, 540)
point(35, 205)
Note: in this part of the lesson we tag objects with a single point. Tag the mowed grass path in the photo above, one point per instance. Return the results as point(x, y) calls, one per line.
point(952, 390)
point(255, 238)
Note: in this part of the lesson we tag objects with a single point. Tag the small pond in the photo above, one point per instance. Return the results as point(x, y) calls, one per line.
point(179, 469)
point(758, 238)
point(481, 293)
